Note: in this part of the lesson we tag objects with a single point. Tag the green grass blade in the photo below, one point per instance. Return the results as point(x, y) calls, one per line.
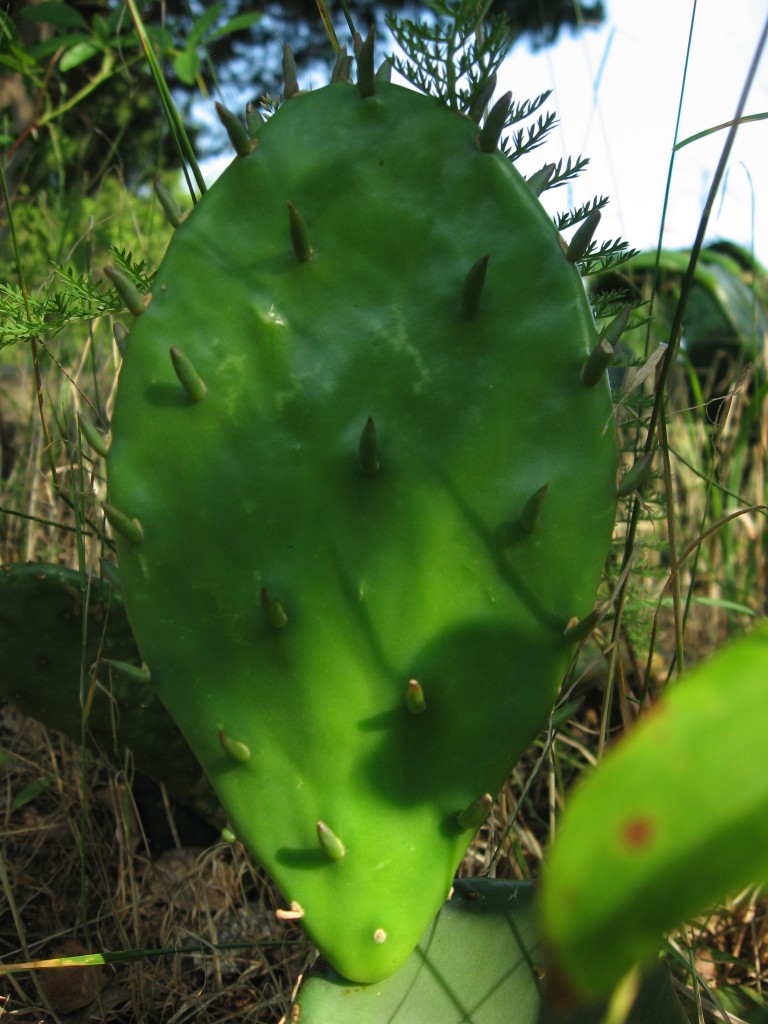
point(675, 819)
point(746, 119)
point(175, 123)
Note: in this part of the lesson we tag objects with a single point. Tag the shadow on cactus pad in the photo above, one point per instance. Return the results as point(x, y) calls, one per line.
point(57, 637)
point(479, 962)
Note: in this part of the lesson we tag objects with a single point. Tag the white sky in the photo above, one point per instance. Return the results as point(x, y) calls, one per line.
point(616, 92)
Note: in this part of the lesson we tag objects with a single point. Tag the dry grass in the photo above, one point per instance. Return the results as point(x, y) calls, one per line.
point(78, 877)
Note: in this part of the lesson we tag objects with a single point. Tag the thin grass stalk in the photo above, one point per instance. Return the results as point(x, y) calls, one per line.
point(670, 172)
point(78, 496)
point(347, 15)
point(325, 17)
point(34, 340)
point(670, 356)
point(178, 131)
point(669, 504)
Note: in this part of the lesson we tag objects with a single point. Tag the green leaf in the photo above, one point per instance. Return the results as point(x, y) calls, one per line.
point(50, 12)
point(186, 65)
point(161, 39)
point(743, 1002)
point(78, 54)
point(30, 792)
point(203, 23)
point(675, 819)
point(116, 21)
point(236, 24)
point(42, 51)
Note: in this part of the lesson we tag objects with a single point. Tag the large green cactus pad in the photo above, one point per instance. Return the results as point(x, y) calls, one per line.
point(286, 573)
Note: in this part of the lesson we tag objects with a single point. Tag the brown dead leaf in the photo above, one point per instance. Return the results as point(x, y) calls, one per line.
point(71, 988)
point(190, 884)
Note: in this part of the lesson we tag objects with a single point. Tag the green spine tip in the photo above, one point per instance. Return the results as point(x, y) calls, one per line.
point(129, 529)
point(235, 130)
point(529, 517)
point(539, 180)
point(582, 238)
point(253, 120)
point(368, 449)
point(109, 573)
point(579, 629)
point(290, 75)
point(120, 333)
point(138, 673)
point(472, 817)
point(414, 697)
point(273, 610)
point(366, 79)
point(235, 749)
point(472, 289)
point(330, 843)
point(189, 378)
point(170, 207)
point(96, 440)
point(481, 101)
point(342, 67)
point(299, 234)
point(134, 301)
point(617, 326)
point(384, 72)
point(635, 478)
point(228, 836)
point(597, 362)
point(495, 123)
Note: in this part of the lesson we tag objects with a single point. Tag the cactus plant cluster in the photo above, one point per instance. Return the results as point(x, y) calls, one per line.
point(362, 482)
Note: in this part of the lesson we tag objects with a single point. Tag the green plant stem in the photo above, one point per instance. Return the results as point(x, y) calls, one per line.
point(105, 72)
point(693, 548)
point(670, 355)
point(325, 17)
point(34, 340)
point(175, 123)
point(747, 119)
point(672, 541)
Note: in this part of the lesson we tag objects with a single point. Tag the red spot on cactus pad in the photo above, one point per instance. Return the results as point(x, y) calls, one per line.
point(637, 832)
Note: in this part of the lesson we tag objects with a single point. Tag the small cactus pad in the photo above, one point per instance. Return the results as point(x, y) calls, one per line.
point(322, 525)
point(482, 961)
point(54, 629)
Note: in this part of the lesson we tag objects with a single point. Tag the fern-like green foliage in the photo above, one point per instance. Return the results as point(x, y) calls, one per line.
point(455, 56)
point(69, 297)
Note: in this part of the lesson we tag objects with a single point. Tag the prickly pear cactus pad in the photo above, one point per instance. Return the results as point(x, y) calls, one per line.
point(45, 648)
point(360, 489)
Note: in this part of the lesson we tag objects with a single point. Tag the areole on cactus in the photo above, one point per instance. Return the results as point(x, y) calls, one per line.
point(362, 490)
